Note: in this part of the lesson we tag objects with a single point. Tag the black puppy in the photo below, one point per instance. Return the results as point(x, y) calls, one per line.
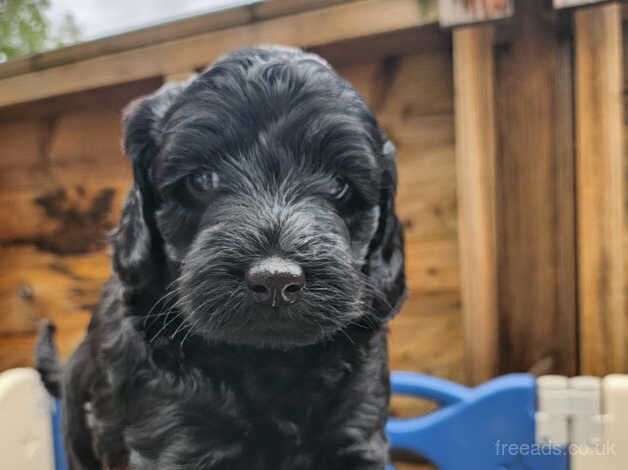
point(256, 263)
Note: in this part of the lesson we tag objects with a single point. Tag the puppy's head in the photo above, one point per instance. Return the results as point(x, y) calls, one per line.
point(264, 193)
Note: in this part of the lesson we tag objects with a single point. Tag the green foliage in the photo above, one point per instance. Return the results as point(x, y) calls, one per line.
point(25, 29)
point(428, 7)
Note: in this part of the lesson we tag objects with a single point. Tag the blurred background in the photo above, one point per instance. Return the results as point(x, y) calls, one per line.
point(509, 121)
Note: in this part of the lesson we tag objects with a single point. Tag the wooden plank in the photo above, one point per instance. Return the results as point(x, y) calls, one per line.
point(576, 3)
point(163, 32)
point(475, 162)
point(72, 210)
point(411, 41)
point(312, 28)
point(535, 194)
point(466, 12)
point(625, 69)
point(61, 175)
point(427, 336)
point(60, 140)
point(36, 284)
point(112, 97)
point(565, 216)
point(600, 189)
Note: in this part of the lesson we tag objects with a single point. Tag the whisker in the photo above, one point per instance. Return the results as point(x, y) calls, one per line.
point(164, 327)
point(188, 333)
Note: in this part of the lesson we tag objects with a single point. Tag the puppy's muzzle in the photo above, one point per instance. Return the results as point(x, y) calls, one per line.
point(275, 281)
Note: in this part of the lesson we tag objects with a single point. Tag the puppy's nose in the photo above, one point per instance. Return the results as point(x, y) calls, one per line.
point(275, 281)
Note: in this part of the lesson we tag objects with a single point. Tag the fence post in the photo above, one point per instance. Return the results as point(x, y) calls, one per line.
point(475, 167)
point(600, 189)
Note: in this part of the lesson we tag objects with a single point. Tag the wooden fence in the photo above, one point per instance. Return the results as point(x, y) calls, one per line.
point(511, 164)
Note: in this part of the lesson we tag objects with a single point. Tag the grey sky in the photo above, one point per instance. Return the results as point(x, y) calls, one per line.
point(98, 18)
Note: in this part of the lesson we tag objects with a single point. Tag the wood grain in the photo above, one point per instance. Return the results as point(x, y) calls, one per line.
point(535, 194)
point(475, 161)
point(35, 284)
point(421, 39)
point(576, 3)
point(427, 336)
point(306, 29)
point(601, 196)
point(60, 176)
point(625, 103)
point(113, 96)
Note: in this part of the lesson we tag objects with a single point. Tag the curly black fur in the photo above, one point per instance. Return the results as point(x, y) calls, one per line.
point(180, 368)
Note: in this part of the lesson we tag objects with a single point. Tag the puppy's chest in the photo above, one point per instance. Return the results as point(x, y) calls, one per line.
point(269, 418)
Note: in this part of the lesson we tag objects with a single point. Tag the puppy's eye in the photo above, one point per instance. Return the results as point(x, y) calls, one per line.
point(202, 183)
point(340, 188)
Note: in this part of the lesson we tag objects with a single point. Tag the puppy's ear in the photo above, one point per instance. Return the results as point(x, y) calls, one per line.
point(386, 254)
point(138, 256)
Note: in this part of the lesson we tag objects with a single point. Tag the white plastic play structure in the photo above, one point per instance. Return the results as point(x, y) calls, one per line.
point(513, 422)
point(26, 435)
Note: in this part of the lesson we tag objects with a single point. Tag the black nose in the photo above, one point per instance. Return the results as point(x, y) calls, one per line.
point(275, 281)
